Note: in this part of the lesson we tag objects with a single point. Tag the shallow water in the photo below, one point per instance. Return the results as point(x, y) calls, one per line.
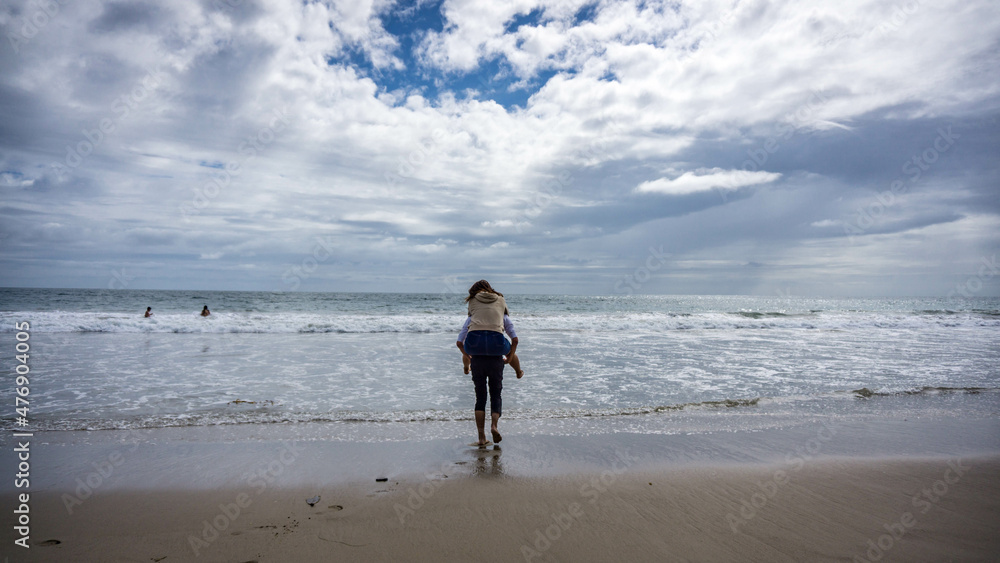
point(272, 358)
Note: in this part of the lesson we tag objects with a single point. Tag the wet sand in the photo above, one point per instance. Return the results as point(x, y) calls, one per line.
point(835, 509)
point(884, 489)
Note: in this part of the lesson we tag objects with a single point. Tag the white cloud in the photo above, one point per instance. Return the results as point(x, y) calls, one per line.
point(824, 223)
point(477, 31)
point(706, 180)
point(500, 223)
point(641, 88)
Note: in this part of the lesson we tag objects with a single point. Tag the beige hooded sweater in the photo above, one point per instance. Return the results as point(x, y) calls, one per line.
point(486, 310)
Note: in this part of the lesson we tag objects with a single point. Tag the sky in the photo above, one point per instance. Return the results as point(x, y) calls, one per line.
point(755, 147)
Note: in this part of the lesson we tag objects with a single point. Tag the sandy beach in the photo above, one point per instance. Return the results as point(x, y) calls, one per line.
point(834, 509)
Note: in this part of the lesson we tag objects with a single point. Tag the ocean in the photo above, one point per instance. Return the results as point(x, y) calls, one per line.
point(371, 367)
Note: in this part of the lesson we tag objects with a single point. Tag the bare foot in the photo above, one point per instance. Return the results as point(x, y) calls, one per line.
point(520, 373)
point(496, 435)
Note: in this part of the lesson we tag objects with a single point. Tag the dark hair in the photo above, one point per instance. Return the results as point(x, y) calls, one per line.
point(481, 285)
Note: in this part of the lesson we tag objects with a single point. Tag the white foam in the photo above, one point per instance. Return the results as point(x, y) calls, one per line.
point(61, 321)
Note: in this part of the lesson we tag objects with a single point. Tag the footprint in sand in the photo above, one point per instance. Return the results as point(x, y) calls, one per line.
point(334, 537)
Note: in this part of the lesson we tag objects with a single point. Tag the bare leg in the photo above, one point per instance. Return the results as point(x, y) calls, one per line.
point(466, 362)
point(493, 428)
point(481, 425)
point(516, 364)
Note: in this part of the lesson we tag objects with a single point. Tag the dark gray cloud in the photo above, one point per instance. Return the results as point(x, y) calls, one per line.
point(120, 17)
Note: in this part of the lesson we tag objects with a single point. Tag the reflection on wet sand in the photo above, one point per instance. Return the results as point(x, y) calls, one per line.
point(488, 462)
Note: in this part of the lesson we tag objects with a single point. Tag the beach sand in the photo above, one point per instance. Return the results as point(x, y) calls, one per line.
point(831, 509)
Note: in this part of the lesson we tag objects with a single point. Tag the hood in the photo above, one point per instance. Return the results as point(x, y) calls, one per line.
point(486, 297)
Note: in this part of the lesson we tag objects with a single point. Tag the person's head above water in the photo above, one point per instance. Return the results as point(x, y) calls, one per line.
point(481, 285)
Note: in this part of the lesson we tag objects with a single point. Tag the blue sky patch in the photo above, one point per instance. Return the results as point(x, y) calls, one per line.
point(531, 19)
point(494, 79)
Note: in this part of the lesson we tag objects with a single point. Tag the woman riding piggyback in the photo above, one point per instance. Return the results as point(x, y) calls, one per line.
point(483, 349)
point(482, 333)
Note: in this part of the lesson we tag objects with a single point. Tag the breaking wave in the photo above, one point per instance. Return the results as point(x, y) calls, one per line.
point(305, 323)
point(269, 412)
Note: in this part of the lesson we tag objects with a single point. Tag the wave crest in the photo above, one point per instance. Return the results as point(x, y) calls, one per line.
point(427, 322)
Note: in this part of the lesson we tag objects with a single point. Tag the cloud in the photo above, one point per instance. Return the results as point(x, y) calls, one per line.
point(531, 132)
point(824, 223)
point(706, 180)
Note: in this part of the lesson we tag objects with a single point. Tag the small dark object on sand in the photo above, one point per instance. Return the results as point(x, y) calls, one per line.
point(312, 501)
point(381, 479)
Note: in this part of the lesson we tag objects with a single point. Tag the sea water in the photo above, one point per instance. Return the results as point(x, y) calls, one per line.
point(376, 366)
